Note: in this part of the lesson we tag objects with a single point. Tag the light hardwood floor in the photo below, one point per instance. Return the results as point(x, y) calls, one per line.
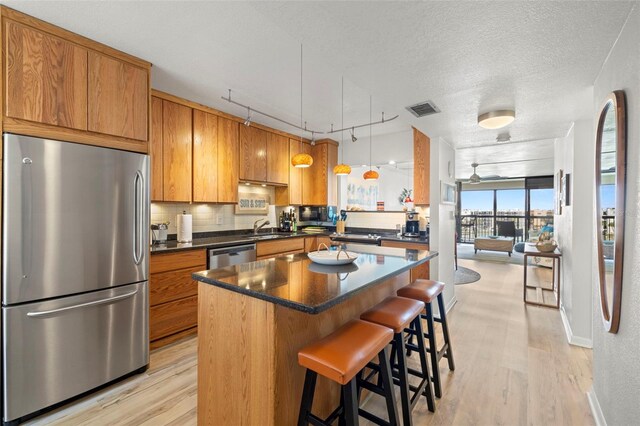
point(513, 367)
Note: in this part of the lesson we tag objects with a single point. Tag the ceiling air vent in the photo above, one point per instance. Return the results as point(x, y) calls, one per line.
point(423, 109)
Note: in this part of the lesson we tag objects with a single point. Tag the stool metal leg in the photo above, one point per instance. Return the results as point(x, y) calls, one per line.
point(398, 340)
point(387, 383)
point(445, 332)
point(351, 403)
point(428, 390)
point(307, 397)
point(433, 351)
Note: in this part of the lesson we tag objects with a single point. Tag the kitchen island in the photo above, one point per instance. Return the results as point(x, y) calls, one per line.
point(254, 317)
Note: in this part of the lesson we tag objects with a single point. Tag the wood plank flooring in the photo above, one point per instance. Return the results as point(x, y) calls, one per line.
point(513, 367)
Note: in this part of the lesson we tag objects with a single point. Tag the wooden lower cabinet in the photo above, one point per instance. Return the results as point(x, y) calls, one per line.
point(267, 249)
point(420, 271)
point(173, 295)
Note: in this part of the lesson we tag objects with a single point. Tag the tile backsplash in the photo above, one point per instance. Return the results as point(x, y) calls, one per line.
point(205, 216)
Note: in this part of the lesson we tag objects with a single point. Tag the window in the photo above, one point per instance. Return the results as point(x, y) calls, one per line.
point(510, 202)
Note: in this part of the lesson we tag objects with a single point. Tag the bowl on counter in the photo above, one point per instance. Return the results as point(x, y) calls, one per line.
point(332, 257)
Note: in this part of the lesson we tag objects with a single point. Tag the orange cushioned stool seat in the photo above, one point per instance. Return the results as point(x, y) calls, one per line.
point(394, 312)
point(402, 315)
point(424, 290)
point(342, 354)
point(428, 291)
point(341, 357)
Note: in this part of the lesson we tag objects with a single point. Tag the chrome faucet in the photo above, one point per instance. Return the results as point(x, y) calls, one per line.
point(256, 228)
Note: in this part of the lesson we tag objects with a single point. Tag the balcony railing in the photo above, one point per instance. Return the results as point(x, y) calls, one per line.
point(471, 227)
point(608, 227)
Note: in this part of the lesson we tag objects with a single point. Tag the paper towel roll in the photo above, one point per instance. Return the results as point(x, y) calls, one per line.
point(184, 223)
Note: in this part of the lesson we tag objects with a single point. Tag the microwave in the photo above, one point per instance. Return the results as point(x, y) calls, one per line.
point(316, 213)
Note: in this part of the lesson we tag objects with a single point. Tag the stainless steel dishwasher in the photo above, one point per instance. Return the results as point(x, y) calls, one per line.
point(227, 256)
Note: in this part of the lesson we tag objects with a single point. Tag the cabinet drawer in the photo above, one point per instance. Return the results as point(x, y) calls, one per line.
point(173, 285)
point(266, 248)
point(172, 317)
point(405, 245)
point(163, 262)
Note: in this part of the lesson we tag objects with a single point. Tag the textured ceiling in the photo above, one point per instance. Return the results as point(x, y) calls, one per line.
point(540, 58)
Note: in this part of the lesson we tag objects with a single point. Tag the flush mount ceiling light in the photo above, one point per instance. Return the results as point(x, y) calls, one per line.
point(342, 169)
point(496, 119)
point(370, 174)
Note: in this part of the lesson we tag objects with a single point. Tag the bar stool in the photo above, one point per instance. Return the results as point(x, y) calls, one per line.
point(427, 291)
point(340, 357)
point(402, 315)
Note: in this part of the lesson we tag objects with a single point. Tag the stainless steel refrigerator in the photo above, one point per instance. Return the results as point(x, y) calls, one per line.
point(75, 241)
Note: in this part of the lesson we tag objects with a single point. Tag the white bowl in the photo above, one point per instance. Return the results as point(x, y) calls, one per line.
point(332, 257)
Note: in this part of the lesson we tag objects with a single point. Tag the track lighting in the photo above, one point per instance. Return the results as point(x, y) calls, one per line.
point(247, 122)
point(353, 136)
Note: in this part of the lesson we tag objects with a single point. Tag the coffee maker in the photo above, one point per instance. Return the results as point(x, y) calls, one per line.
point(412, 225)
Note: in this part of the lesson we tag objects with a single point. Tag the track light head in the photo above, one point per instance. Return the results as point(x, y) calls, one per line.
point(353, 135)
point(247, 122)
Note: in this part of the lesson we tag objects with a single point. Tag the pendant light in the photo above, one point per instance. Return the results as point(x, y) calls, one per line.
point(370, 174)
point(342, 169)
point(301, 160)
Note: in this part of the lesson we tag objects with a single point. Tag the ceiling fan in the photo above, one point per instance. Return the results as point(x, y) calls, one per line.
point(475, 178)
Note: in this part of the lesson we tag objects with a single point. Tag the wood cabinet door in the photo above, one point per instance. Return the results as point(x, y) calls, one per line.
point(118, 98)
point(314, 182)
point(253, 154)
point(277, 159)
point(421, 168)
point(155, 149)
point(46, 78)
point(228, 160)
point(308, 175)
point(176, 147)
point(295, 174)
point(205, 157)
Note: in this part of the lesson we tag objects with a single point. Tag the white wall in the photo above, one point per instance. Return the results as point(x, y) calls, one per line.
point(442, 231)
point(391, 146)
point(574, 154)
point(616, 357)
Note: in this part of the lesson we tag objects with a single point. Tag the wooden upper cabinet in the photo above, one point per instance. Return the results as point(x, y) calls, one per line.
point(46, 78)
point(278, 160)
point(253, 154)
point(228, 160)
point(205, 157)
point(118, 97)
point(155, 149)
point(308, 175)
point(421, 167)
point(176, 151)
point(295, 174)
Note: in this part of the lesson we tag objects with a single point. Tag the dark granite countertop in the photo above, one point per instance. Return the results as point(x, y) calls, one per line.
point(224, 241)
point(228, 240)
point(297, 283)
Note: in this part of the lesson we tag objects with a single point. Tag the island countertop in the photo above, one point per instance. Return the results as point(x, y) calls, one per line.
point(294, 281)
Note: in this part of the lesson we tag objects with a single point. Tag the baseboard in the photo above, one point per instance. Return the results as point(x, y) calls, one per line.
point(573, 340)
point(452, 302)
point(596, 411)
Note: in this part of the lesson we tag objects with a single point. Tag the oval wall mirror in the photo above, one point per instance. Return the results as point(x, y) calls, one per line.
point(611, 141)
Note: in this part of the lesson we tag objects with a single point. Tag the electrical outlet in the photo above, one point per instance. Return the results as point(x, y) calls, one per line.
point(219, 219)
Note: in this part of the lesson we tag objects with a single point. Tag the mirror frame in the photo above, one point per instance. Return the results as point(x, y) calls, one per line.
point(615, 100)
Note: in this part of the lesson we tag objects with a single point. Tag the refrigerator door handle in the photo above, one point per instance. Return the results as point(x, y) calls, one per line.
point(82, 305)
point(138, 217)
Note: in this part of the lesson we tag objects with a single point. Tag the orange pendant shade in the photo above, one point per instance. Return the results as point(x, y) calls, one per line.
point(370, 175)
point(342, 170)
point(302, 160)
